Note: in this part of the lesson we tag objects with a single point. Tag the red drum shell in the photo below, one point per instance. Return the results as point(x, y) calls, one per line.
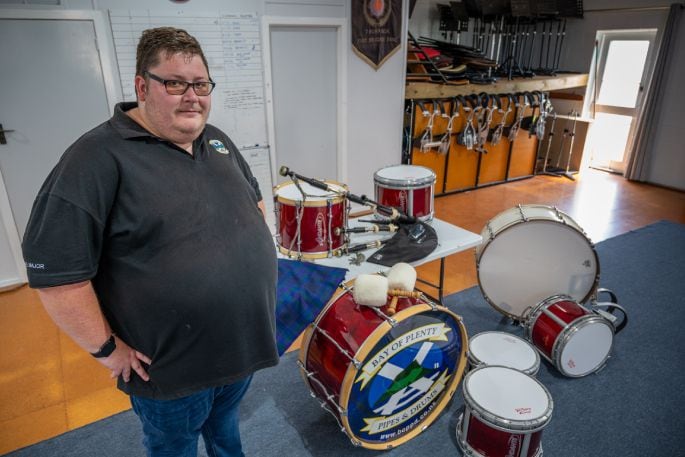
point(413, 196)
point(546, 329)
point(489, 441)
point(350, 326)
point(319, 220)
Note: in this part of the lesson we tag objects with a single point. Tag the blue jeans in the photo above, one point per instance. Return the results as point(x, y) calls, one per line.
point(171, 428)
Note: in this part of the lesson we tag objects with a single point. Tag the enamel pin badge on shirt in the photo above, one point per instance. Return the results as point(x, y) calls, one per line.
point(218, 146)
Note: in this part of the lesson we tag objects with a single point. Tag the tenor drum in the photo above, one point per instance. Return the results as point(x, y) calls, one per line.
point(306, 224)
point(503, 349)
point(505, 411)
point(576, 341)
point(410, 188)
point(531, 252)
point(383, 383)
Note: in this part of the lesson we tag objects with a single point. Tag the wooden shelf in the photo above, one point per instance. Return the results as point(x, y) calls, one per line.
point(418, 90)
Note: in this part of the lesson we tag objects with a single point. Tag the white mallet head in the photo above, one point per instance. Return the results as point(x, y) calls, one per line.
point(370, 290)
point(402, 276)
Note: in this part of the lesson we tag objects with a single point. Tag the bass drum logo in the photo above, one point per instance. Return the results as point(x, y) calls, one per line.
point(404, 377)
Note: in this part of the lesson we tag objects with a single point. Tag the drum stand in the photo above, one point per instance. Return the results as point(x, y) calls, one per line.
point(557, 171)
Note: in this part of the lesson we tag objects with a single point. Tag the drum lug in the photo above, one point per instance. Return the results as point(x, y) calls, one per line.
point(523, 216)
point(492, 233)
point(354, 442)
point(385, 317)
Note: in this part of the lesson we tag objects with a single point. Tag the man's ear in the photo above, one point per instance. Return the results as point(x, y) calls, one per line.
point(141, 87)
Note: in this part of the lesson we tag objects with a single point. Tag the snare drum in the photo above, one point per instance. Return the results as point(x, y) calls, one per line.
point(383, 379)
point(306, 224)
point(503, 349)
point(576, 341)
point(410, 188)
point(505, 411)
point(531, 252)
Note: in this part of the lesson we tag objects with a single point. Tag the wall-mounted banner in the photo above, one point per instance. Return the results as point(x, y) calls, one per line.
point(376, 29)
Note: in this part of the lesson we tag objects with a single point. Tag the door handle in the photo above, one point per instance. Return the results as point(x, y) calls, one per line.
point(3, 140)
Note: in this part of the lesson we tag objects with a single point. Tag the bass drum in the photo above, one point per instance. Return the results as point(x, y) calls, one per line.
point(384, 380)
point(530, 253)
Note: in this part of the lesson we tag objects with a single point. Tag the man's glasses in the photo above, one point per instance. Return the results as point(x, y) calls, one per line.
point(175, 87)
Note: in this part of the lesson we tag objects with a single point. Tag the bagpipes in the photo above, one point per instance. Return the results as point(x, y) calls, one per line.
point(412, 239)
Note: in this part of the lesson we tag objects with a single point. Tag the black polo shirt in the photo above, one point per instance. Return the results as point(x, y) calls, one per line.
point(177, 250)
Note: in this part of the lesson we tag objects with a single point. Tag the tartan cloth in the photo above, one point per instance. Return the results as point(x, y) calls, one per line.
point(303, 290)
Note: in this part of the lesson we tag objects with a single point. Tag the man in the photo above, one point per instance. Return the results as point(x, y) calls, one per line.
point(148, 246)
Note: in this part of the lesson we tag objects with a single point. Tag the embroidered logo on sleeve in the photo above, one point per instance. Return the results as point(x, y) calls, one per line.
point(218, 146)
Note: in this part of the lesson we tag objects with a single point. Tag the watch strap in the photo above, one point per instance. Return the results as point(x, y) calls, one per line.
point(106, 349)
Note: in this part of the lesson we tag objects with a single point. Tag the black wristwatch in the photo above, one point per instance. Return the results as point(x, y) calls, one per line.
point(106, 349)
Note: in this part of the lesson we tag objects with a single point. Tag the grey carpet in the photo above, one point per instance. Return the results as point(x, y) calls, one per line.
point(633, 407)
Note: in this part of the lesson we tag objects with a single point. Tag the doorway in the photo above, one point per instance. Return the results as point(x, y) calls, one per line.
point(305, 79)
point(621, 71)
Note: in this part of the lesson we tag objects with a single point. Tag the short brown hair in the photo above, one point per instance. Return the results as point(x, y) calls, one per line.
point(168, 40)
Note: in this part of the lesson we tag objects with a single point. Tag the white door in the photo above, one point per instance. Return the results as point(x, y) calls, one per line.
point(303, 78)
point(52, 92)
point(625, 61)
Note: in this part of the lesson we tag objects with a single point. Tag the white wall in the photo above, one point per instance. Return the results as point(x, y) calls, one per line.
point(375, 98)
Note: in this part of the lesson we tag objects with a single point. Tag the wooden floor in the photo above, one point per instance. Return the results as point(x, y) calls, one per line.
point(48, 386)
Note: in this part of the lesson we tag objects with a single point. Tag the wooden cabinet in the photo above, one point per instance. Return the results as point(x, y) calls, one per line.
point(438, 126)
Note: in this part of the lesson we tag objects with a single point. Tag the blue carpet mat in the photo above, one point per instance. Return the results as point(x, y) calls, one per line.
point(633, 407)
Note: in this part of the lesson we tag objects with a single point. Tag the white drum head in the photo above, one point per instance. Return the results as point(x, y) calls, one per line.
point(530, 261)
point(409, 175)
point(508, 394)
point(291, 192)
point(504, 349)
point(587, 348)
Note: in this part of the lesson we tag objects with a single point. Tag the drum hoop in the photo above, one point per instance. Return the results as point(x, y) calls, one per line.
point(363, 352)
point(405, 184)
point(309, 203)
point(531, 317)
point(531, 370)
point(293, 254)
point(566, 334)
point(430, 179)
point(482, 248)
point(501, 423)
